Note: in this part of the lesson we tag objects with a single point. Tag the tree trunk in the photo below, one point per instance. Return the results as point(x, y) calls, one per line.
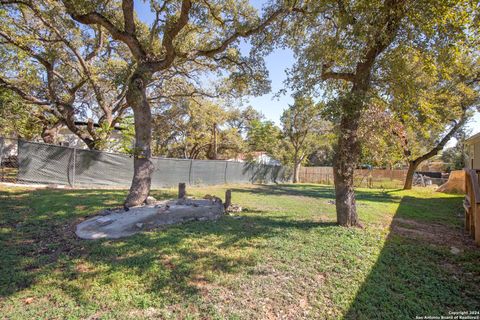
point(142, 164)
point(346, 159)
point(50, 132)
point(412, 166)
point(215, 148)
point(352, 106)
point(296, 169)
point(296, 173)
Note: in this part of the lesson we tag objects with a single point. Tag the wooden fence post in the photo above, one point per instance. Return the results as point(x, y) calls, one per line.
point(228, 198)
point(182, 190)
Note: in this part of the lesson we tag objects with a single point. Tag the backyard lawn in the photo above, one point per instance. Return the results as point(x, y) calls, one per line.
point(282, 257)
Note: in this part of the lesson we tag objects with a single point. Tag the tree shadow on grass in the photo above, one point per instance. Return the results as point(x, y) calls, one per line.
point(316, 191)
point(37, 240)
point(416, 274)
point(187, 254)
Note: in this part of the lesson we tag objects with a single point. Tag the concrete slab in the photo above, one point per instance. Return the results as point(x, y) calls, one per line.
point(121, 223)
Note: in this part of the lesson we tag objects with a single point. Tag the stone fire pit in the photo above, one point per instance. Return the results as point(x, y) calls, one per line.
point(113, 224)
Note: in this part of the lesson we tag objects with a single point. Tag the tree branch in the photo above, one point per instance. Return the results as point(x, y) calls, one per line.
point(342, 9)
point(27, 50)
point(23, 94)
point(403, 140)
point(98, 45)
point(96, 18)
point(240, 34)
point(331, 75)
point(386, 32)
point(435, 150)
point(128, 17)
point(173, 29)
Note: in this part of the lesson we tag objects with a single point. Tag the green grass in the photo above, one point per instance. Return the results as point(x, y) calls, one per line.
point(284, 257)
point(8, 174)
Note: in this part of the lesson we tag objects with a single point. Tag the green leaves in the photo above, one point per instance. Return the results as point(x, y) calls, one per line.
point(264, 136)
point(16, 117)
point(303, 129)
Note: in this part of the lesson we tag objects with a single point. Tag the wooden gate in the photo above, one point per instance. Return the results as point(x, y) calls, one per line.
point(472, 203)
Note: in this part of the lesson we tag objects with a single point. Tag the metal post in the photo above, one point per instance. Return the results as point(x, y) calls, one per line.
point(73, 168)
point(225, 174)
point(190, 172)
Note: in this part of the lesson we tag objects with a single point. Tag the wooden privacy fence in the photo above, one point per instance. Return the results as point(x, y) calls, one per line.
point(377, 178)
point(472, 203)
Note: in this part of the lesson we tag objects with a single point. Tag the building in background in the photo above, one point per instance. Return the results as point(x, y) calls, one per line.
point(260, 157)
point(472, 147)
point(67, 138)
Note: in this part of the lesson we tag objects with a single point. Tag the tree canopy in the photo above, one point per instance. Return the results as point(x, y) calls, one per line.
point(302, 127)
point(68, 74)
point(344, 49)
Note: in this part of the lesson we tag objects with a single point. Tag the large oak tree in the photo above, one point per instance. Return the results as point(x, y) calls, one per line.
point(183, 34)
point(67, 74)
point(430, 98)
point(341, 47)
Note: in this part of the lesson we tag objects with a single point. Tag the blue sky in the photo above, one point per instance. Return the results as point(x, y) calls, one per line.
point(277, 63)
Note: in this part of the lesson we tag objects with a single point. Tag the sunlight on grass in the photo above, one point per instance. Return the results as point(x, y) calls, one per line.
point(283, 255)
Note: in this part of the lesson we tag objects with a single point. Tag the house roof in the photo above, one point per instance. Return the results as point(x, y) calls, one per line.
point(473, 139)
point(95, 124)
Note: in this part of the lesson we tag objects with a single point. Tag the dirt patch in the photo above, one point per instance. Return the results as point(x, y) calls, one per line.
point(433, 233)
point(267, 293)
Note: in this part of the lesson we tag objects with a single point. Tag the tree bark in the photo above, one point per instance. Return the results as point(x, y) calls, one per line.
point(215, 147)
point(142, 164)
point(412, 166)
point(50, 131)
point(296, 168)
point(346, 159)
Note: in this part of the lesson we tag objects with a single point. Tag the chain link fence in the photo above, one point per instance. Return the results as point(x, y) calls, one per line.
point(38, 163)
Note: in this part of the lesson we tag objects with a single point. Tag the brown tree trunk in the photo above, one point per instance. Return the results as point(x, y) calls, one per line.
point(296, 168)
point(296, 173)
point(69, 121)
point(346, 159)
point(50, 132)
point(142, 165)
point(412, 166)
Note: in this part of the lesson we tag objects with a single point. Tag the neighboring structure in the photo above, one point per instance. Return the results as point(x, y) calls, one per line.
point(67, 138)
point(260, 157)
point(472, 147)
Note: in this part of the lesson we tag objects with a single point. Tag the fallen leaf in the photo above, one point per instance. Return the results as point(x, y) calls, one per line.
point(28, 300)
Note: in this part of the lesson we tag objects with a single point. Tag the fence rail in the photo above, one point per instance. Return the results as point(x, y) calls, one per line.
point(31, 162)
